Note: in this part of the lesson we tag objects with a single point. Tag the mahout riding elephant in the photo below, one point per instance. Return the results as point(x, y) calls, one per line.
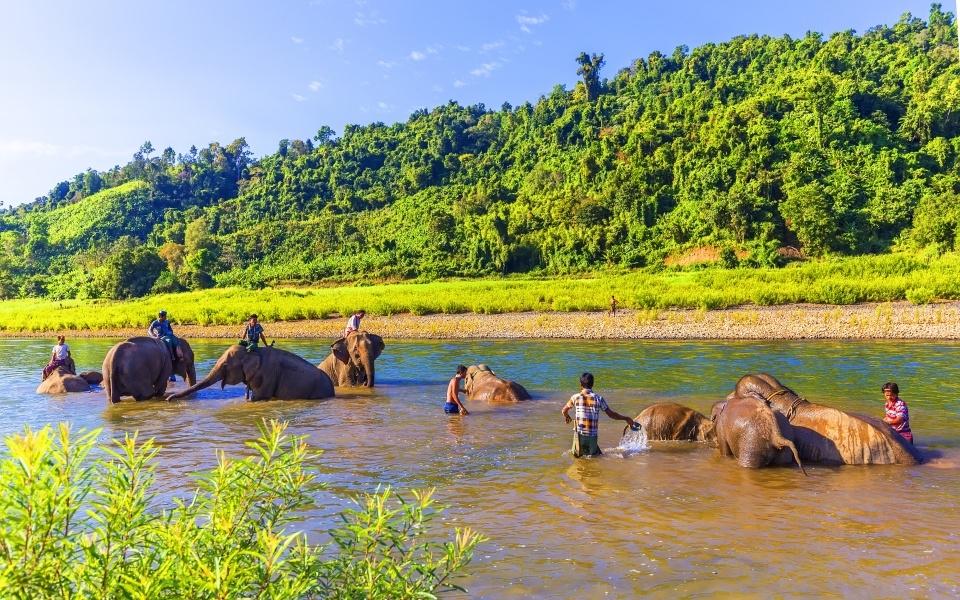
point(483, 384)
point(269, 373)
point(141, 366)
point(63, 381)
point(672, 421)
point(351, 359)
point(828, 435)
point(750, 431)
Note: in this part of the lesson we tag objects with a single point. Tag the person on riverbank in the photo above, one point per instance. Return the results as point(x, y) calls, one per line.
point(588, 405)
point(58, 357)
point(353, 323)
point(613, 305)
point(162, 329)
point(897, 415)
point(453, 405)
point(252, 334)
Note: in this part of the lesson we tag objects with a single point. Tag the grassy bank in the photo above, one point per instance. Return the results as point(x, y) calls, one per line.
point(887, 278)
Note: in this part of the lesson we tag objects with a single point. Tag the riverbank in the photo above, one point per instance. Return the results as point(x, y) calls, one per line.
point(891, 320)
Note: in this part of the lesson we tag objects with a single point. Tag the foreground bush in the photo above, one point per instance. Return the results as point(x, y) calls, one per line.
point(79, 526)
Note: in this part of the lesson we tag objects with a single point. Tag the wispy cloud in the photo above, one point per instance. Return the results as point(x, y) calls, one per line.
point(527, 21)
point(338, 45)
point(384, 107)
point(296, 40)
point(485, 69)
point(489, 46)
point(417, 55)
point(298, 97)
point(458, 83)
point(386, 64)
point(462, 48)
point(315, 86)
point(372, 17)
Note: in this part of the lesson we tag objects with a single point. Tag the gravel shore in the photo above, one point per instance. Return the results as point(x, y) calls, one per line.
point(899, 320)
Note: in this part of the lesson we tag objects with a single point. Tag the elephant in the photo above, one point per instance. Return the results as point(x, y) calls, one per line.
point(672, 421)
point(828, 435)
point(750, 431)
point(63, 381)
point(268, 373)
point(351, 359)
point(141, 366)
point(483, 384)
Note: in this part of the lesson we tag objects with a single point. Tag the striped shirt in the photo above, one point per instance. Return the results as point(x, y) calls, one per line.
point(588, 404)
point(899, 409)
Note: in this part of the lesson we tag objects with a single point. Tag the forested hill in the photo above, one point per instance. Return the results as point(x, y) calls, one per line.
point(845, 145)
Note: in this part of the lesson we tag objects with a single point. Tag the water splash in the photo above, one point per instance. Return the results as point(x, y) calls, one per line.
point(632, 442)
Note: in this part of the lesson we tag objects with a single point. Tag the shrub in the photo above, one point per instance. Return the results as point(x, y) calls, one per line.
point(920, 295)
point(75, 527)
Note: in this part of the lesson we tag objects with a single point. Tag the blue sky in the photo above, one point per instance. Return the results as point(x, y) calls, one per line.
point(83, 84)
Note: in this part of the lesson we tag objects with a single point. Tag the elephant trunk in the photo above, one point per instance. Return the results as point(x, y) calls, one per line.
point(784, 442)
point(212, 377)
point(191, 374)
point(367, 363)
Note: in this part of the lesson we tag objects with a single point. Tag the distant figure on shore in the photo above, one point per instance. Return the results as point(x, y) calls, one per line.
point(252, 334)
point(162, 330)
point(613, 305)
point(58, 357)
point(588, 405)
point(897, 415)
point(353, 323)
point(453, 405)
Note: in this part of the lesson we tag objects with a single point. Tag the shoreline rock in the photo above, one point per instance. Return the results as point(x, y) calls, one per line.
point(897, 320)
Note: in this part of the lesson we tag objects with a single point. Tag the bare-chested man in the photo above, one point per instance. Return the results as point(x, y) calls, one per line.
point(453, 404)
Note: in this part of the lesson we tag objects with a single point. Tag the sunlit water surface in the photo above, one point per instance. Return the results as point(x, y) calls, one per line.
point(676, 520)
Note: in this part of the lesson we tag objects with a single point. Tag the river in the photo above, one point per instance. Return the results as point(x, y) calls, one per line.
point(677, 520)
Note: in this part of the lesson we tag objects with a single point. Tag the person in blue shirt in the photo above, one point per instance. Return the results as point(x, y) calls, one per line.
point(162, 329)
point(252, 334)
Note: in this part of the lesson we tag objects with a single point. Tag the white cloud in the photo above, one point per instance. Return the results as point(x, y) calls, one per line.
point(368, 18)
point(315, 86)
point(434, 49)
point(491, 46)
point(527, 21)
point(298, 97)
point(338, 45)
point(296, 40)
point(384, 107)
point(485, 69)
point(458, 83)
point(417, 55)
point(386, 64)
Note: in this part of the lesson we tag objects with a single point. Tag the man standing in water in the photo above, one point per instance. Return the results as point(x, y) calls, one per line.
point(896, 413)
point(453, 405)
point(589, 404)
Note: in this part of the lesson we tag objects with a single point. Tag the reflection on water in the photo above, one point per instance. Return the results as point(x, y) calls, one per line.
point(674, 520)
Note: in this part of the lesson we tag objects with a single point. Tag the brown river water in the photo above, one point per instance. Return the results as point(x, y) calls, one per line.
point(674, 521)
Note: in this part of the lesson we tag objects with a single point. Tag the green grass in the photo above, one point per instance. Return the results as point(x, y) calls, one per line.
point(76, 221)
point(919, 278)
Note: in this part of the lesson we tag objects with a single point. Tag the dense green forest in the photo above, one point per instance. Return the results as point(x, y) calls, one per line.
point(752, 151)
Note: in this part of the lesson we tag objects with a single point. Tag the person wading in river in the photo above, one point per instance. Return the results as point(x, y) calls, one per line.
point(453, 405)
point(588, 405)
point(897, 415)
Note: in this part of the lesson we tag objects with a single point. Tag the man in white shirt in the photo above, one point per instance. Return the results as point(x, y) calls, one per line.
point(353, 323)
point(59, 357)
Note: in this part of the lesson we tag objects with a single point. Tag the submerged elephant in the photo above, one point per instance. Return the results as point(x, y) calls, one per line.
point(750, 431)
point(828, 435)
point(483, 384)
point(351, 359)
point(268, 372)
point(63, 381)
point(672, 421)
point(141, 366)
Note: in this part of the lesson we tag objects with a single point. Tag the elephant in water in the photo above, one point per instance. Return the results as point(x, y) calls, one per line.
point(828, 435)
point(750, 431)
point(483, 384)
point(141, 366)
point(351, 359)
point(672, 421)
point(64, 380)
point(268, 372)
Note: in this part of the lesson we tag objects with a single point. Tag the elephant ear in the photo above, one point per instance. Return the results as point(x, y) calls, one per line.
point(378, 345)
point(339, 349)
point(251, 364)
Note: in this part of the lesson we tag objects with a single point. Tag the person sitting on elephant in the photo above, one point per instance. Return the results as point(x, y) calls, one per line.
point(59, 357)
point(897, 415)
point(353, 323)
point(162, 329)
point(453, 405)
point(252, 334)
point(588, 405)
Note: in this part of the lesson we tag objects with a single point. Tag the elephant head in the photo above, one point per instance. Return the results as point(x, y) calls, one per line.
point(235, 365)
point(353, 359)
point(750, 431)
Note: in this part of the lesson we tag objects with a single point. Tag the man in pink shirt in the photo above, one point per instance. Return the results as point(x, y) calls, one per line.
point(897, 415)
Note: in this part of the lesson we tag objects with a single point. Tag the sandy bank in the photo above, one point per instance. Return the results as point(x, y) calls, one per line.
point(900, 320)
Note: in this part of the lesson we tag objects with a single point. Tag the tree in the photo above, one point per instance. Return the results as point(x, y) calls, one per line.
point(589, 69)
point(326, 136)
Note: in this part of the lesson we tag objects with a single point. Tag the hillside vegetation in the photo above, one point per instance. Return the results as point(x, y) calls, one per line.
point(749, 152)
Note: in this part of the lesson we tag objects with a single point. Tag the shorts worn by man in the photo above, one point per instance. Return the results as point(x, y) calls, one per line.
point(588, 405)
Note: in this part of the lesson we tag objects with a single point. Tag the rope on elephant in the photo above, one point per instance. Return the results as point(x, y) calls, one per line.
point(792, 411)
